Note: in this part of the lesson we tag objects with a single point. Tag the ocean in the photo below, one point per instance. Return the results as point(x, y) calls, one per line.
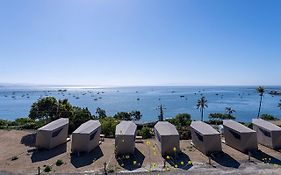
point(16, 101)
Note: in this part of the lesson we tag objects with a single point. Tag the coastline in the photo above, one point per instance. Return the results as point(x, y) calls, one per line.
point(177, 99)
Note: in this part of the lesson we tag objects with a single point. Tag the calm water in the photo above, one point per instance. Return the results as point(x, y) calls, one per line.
point(15, 101)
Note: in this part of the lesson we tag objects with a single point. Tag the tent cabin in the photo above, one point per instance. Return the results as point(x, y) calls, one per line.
point(268, 134)
point(125, 135)
point(86, 137)
point(52, 134)
point(205, 138)
point(167, 138)
point(239, 136)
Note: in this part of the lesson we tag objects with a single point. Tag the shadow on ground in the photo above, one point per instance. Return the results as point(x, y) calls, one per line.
point(29, 140)
point(266, 158)
point(85, 159)
point(44, 154)
point(225, 160)
point(181, 161)
point(131, 162)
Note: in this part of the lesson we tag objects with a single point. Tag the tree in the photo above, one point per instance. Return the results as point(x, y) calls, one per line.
point(101, 113)
point(161, 115)
point(123, 116)
point(261, 91)
point(48, 109)
point(220, 116)
point(183, 119)
point(135, 115)
point(182, 122)
point(45, 108)
point(268, 117)
point(80, 116)
point(145, 132)
point(201, 105)
point(229, 111)
point(65, 109)
point(108, 126)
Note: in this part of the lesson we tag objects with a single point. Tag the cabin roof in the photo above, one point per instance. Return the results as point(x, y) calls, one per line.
point(203, 128)
point(166, 128)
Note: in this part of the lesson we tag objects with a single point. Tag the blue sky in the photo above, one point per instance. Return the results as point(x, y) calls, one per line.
point(140, 42)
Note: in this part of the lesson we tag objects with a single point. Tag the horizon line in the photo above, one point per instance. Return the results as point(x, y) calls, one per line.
point(111, 86)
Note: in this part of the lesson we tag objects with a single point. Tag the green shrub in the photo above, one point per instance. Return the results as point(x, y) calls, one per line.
point(47, 169)
point(214, 122)
point(6, 123)
point(59, 162)
point(182, 123)
point(268, 117)
point(145, 132)
point(23, 121)
point(220, 116)
point(248, 124)
point(184, 132)
point(181, 120)
point(111, 169)
point(108, 126)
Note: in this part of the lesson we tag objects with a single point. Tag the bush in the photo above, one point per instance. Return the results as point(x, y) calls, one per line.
point(108, 126)
point(181, 120)
point(184, 133)
point(145, 132)
point(78, 117)
point(59, 162)
point(248, 124)
point(111, 169)
point(3, 123)
point(220, 116)
point(123, 116)
point(214, 122)
point(182, 123)
point(47, 169)
point(268, 117)
point(23, 121)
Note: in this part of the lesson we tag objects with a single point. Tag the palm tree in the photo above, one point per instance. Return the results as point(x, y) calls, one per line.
point(279, 104)
point(229, 110)
point(201, 105)
point(261, 91)
point(161, 109)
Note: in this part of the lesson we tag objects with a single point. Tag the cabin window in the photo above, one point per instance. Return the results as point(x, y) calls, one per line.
point(235, 135)
point(92, 136)
point(56, 133)
point(199, 137)
point(266, 133)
